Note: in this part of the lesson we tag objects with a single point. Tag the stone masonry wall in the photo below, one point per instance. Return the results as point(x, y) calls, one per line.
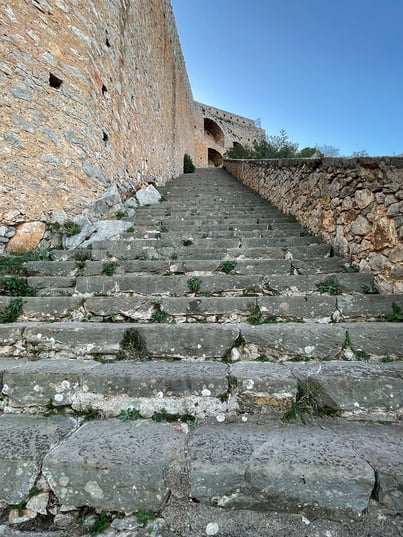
point(92, 93)
point(354, 204)
point(236, 129)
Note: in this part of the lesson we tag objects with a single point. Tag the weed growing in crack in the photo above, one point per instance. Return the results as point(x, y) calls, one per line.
point(396, 316)
point(358, 354)
point(160, 316)
point(227, 266)
point(194, 284)
point(369, 289)
point(307, 402)
point(102, 522)
point(129, 414)
point(143, 516)
point(255, 316)
point(109, 268)
point(291, 217)
point(330, 285)
point(164, 416)
point(70, 228)
point(132, 346)
point(351, 268)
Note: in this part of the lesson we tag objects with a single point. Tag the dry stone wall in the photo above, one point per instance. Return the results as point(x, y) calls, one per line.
point(92, 94)
point(355, 204)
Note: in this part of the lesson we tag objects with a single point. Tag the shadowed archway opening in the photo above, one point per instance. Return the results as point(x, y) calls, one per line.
point(211, 129)
point(215, 159)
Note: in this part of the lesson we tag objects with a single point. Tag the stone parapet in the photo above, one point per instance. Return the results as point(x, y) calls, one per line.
point(354, 204)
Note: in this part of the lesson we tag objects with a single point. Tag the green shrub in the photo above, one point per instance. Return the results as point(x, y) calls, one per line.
point(14, 286)
point(11, 312)
point(108, 268)
point(70, 228)
point(194, 284)
point(227, 266)
point(188, 166)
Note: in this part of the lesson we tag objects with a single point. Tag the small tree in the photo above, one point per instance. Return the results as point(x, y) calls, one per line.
point(188, 166)
point(309, 152)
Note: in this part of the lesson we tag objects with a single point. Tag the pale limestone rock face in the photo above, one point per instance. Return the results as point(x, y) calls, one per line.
point(361, 226)
point(27, 237)
point(384, 233)
point(363, 198)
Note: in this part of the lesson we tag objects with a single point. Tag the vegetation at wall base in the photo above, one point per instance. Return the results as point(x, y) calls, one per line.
point(188, 166)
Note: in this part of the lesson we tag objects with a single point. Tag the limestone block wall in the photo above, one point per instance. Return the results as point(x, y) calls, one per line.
point(217, 130)
point(92, 93)
point(354, 204)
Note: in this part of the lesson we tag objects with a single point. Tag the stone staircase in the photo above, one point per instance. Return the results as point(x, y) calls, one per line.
point(217, 366)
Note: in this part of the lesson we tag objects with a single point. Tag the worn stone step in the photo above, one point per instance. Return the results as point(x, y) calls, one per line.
point(96, 268)
point(217, 230)
point(175, 241)
point(190, 252)
point(202, 341)
point(223, 309)
point(241, 266)
point(207, 284)
point(241, 391)
point(115, 466)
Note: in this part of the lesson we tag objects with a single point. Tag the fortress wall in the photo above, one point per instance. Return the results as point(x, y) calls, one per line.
point(354, 204)
point(91, 94)
point(236, 129)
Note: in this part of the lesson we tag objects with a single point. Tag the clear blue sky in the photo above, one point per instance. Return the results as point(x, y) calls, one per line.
point(329, 72)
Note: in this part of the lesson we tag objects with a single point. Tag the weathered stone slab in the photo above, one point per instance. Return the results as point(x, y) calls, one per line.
point(367, 307)
point(376, 339)
point(45, 282)
point(298, 307)
point(382, 447)
point(96, 231)
point(307, 283)
point(354, 387)
point(45, 308)
point(24, 441)
point(50, 268)
point(279, 468)
point(6, 531)
point(157, 379)
point(139, 284)
point(296, 340)
point(116, 466)
point(179, 341)
point(135, 308)
point(37, 383)
point(148, 195)
point(263, 387)
point(230, 307)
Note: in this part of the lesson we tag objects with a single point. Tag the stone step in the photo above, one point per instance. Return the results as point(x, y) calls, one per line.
point(202, 341)
point(177, 241)
point(222, 309)
point(206, 284)
point(241, 266)
point(251, 390)
point(126, 466)
point(217, 230)
point(126, 251)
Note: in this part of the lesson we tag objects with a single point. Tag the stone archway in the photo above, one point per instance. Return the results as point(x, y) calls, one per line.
point(213, 130)
point(215, 159)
